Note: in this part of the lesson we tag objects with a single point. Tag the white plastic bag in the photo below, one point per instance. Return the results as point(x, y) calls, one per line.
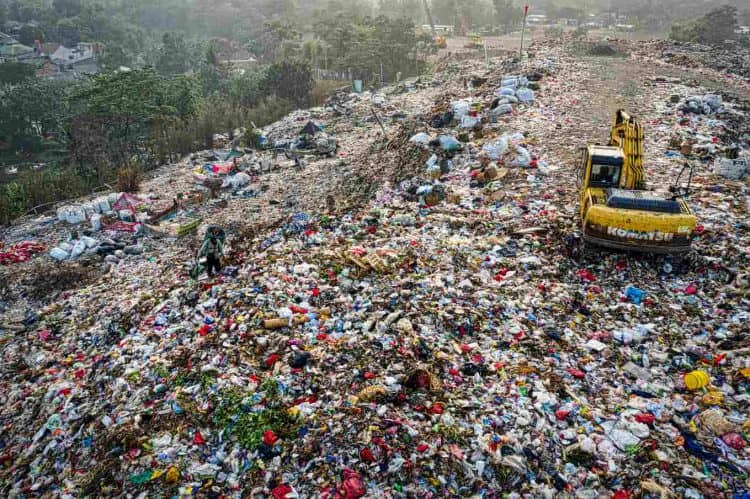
point(78, 248)
point(470, 121)
point(525, 94)
point(421, 138)
point(59, 254)
point(90, 242)
point(523, 157)
point(460, 109)
point(495, 150)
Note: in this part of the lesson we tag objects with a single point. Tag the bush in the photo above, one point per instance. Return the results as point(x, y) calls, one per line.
point(683, 32)
point(128, 178)
point(291, 81)
point(580, 32)
point(252, 138)
point(323, 89)
point(554, 32)
point(713, 28)
point(36, 188)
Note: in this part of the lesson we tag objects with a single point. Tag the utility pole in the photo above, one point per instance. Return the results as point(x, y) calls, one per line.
point(429, 18)
point(523, 29)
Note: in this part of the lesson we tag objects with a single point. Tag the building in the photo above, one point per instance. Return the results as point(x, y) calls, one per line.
point(52, 59)
point(76, 61)
point(11, 49)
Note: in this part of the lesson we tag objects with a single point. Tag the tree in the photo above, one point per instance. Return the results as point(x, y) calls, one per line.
point(30, 10)
point(175, 55)
point(115, 57)
point(210, 72)
point(3, 13)
point(713, 28)
point(28, 35)
point(717, 25)
point(32, 110)
point(67, 8)
point(120, 111)
point(504, 10)
point(248, 88)
point(396, 9)
point(445, 11)
point(14, 73)
point(291, 81)
point(273, 35)
point(69, 32)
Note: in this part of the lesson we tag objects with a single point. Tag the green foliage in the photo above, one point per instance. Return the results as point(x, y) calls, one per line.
point(69, 32)
point(67, 8)
point(30, 34)
point(139, 95)
point(30, 111)
point(291, 81)
point(556, 32)
point(122, 115)
point(713, 28)
point(363, 44)
point(176, 55)
point(128, 178)
point(683, 32)
point(29, 10)
point(34, 188)
point(248, 88)
point(508, 14)
point(15, 72)
point(115, 58)
point(236, 413)
point(579, 33)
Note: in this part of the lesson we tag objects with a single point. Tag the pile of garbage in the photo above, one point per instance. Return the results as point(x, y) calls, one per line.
point(734, 60)
point(732, 168)
point(439, 341)
point(112, 249)
point(702, 104)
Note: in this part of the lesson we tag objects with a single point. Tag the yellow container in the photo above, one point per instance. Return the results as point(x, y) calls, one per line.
point(695, 380)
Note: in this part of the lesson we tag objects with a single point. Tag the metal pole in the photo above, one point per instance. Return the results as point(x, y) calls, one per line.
point(523, 29)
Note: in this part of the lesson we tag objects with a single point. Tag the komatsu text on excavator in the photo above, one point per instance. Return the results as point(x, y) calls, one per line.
point(616, 209)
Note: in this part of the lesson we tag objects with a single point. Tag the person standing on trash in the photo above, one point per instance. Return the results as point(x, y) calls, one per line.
point(213, 249)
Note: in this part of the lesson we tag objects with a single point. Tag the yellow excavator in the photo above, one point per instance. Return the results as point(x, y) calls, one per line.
point(439, 40)
point(616, 209)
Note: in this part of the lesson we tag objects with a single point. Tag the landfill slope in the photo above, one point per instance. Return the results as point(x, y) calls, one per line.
point(407, 318)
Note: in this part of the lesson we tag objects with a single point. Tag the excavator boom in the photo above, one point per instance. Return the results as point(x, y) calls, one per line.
point(627, 134)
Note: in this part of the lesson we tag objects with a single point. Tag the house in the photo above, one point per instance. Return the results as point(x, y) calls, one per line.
point(7, 39)
point(76, 61)
point(12, 52)
point(11, 49)
point(13, 27)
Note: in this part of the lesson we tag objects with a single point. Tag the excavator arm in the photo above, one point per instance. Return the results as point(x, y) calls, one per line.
point(627, 134)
